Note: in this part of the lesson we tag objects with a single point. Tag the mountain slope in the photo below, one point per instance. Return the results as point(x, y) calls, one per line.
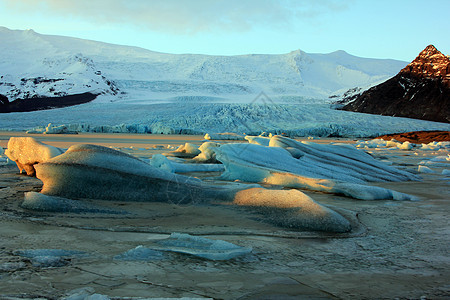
point(122, 73)
point(421, 90)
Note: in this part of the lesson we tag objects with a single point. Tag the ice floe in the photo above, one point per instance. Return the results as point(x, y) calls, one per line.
point(27, 152)
point(325, 168)
point(95, 172)
point(140, 253)
point(202, 247)
point(292, 208)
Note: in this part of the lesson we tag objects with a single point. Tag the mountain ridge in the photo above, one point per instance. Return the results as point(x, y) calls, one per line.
point(146, 76)
point(421, 90)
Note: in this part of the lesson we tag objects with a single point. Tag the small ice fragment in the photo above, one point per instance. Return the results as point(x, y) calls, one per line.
point(189, 148)
point(86, 293)
point(425, 169)
point(406, 146)
point(49, 258)
point(140, 253)
point(201, 247)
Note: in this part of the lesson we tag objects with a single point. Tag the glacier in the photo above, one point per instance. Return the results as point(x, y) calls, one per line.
point(141, 91)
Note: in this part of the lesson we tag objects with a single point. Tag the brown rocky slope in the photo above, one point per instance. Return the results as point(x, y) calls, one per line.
point(421, 90)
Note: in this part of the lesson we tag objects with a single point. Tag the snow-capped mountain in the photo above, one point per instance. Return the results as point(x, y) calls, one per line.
point(421, 90)
point(34, 64)
point(32, 67)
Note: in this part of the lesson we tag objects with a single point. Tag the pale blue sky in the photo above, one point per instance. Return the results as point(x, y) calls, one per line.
point(397, 29)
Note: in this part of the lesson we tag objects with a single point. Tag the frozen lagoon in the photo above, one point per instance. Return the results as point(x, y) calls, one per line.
point(399, 249)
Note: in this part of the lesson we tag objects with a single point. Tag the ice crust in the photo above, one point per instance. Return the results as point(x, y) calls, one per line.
point(27, 152)
point(202, 247)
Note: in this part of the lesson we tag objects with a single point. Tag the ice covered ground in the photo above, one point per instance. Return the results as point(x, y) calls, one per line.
point(400, 245)
point(197, 118)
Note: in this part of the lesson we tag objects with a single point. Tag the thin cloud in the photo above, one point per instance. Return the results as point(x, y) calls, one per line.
point(182, 16)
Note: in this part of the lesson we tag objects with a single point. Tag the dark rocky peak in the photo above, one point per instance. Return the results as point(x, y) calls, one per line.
point(430, 63)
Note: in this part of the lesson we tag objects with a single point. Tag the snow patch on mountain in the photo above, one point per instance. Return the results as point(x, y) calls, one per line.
point(32, 67)
point(71, 65)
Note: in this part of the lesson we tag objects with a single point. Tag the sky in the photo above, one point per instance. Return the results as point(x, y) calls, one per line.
point(396, 29)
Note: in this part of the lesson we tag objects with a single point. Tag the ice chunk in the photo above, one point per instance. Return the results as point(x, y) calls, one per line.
point(86, 293)
point(201, 247)
point(339, 170)
point(433, 146)
point(223, 136)
point(258, 140)
point(95, 172)
point(140, 253)
point(189, 149)
point(27, 152)
point(162, 162)
point(380, 143)
point(424, 169)
point(337, 162)
point(40, 202)
point(47, 258)
point(293, 209)
point(207, 152)
point(406, 146)
point(446, 172)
